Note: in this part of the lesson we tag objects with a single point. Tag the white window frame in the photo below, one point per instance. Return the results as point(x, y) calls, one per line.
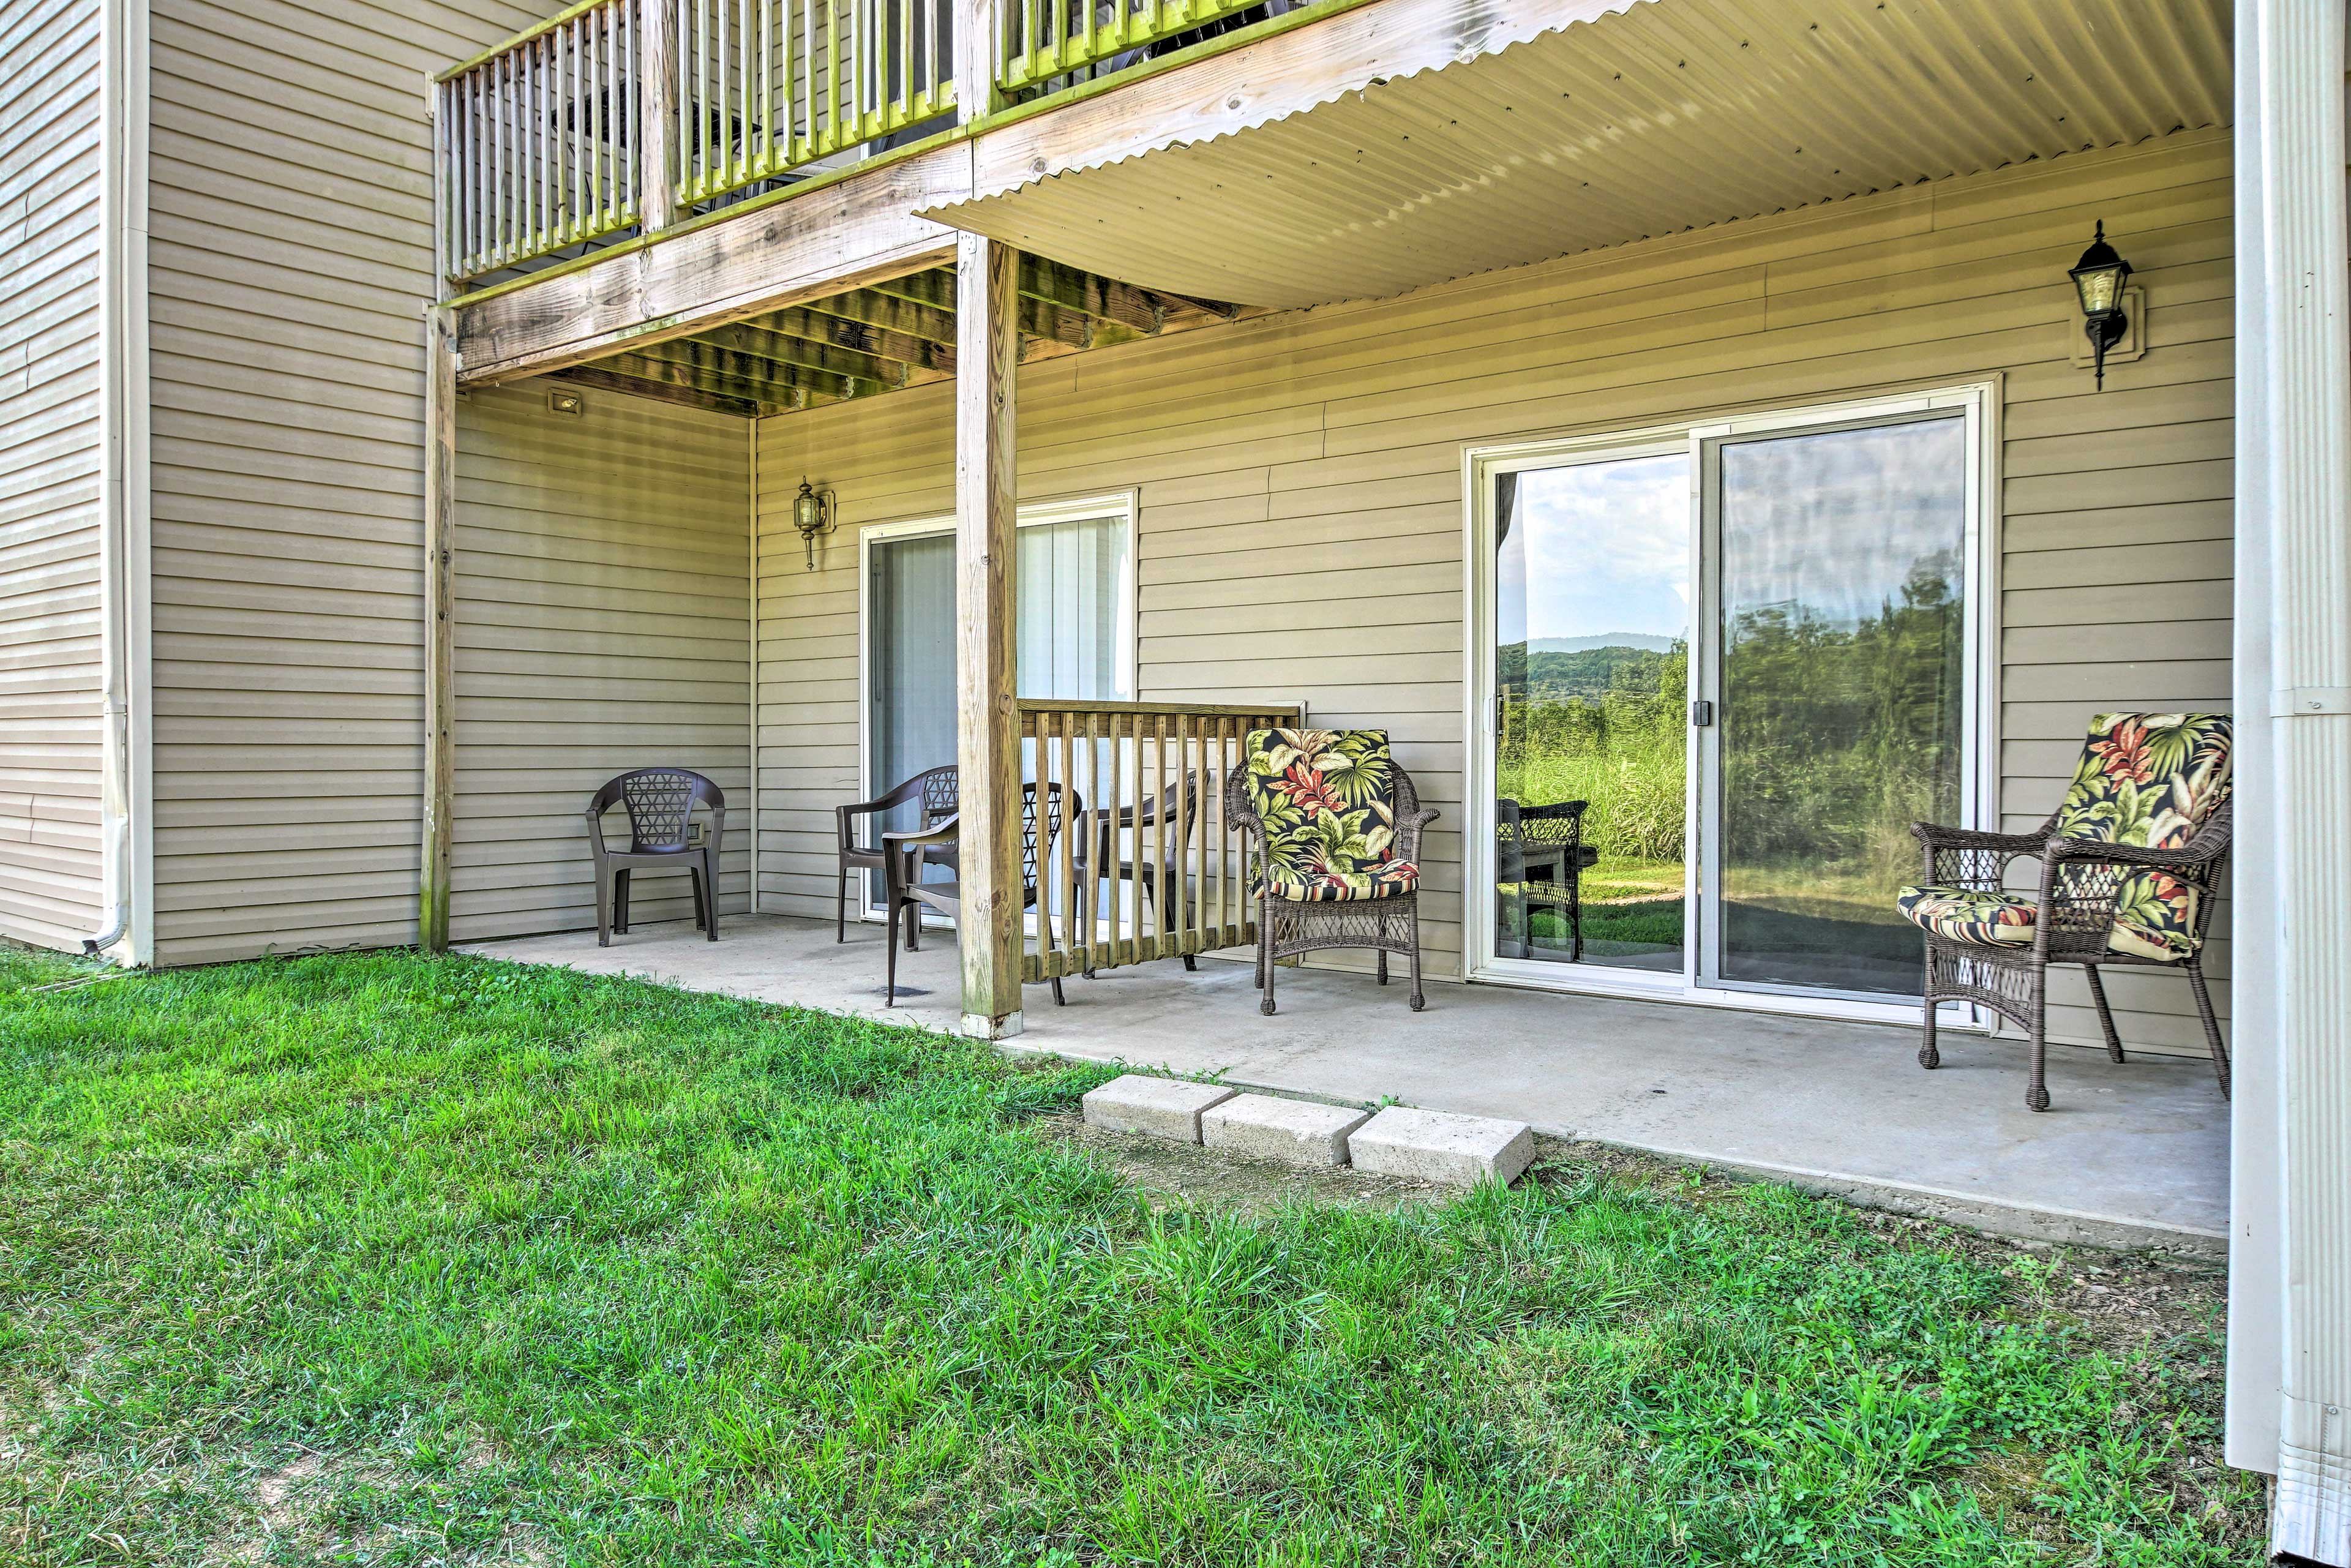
point(1125, 503)
point(1980, 737)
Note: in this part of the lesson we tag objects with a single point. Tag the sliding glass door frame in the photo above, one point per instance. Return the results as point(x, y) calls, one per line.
point(1126, 505)
point(1978, 404)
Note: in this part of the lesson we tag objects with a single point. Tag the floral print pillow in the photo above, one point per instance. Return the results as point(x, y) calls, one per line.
point(1327, 797)
point(2150, 780)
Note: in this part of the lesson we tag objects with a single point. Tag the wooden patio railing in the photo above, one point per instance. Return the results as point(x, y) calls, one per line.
point(1048, 38)
point(1127, 767)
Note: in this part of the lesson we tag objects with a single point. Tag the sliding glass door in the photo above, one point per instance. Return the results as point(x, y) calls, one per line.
point(1075, 577)
point(1719, 673)
point(1839, 672)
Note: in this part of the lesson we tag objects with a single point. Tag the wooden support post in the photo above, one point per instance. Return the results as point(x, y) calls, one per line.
point(987, 721)
point(440, 605)
point(656, 112)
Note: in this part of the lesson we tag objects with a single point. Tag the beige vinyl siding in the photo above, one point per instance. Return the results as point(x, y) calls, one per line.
point(604, 623)
point(1301, 519)
point(289, 259)
point(51, 630)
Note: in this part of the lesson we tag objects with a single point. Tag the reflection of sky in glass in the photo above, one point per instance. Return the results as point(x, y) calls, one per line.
point(1831, 525)
point(1605, 547)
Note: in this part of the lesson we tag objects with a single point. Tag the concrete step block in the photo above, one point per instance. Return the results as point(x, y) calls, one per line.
point(1441, 1147)
point(1163, 1107)
point(1295, 1131)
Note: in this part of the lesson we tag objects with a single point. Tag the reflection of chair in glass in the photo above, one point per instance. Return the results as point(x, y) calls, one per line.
point(2130, 865)
point(1337, 828)
point(904, 854)
point(1540, 856)
point(1095, 837)
point(935, 787)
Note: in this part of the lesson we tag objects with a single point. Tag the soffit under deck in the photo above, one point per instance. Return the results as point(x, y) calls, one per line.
point(1665, 116)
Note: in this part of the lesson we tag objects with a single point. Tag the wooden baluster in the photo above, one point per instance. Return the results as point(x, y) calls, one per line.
point(766, 164)
point(1159, 834)
point(1185, 773)
point(1117, 793)
point(1073, 902)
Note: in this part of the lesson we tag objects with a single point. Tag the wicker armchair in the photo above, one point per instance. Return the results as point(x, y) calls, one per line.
point(1336, 826)
point(2101, 899)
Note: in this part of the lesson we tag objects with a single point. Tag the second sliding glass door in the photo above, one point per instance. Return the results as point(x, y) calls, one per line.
point(1720, 673)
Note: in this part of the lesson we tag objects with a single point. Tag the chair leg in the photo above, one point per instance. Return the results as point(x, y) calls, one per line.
point(841, 904)
point(2036, 1091)
point(1265, 963)
point(621, 901)
point(603, 908)
point(1929, 1056)
point(1575, 913)
point(2106, 1018)
point(1381, 960)
point(2211, 1024)
point(1058, 1000)
point(890, 965)
point(693, 874)
point(710, 892)
point(1418, 1000)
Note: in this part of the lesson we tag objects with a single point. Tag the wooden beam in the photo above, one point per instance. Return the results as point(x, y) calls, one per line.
point(804, 353)
point(1102, 298)
point(987, 721)
point(439, 630)
point(842, 236)
point(813, 326)
point(872, 307)
point(691, 363)
point(603, 380)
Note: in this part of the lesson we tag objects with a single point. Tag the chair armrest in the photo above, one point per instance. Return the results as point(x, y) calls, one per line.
point(2203, 852)
point(1966, 857)
point(944, 831)
point(1407, 833)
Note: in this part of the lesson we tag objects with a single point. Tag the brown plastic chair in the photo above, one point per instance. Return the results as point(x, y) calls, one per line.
point(1095, 837)
point(904, 853)
point(660, 803)
point(939, 789)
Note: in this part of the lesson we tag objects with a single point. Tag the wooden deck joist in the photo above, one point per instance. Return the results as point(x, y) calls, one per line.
point(897, 332)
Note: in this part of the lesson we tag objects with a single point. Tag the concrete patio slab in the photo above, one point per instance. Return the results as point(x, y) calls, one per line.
point(2131, 1154)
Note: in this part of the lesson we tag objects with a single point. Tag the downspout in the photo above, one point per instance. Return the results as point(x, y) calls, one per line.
point(123, 505)
point(2299, 119)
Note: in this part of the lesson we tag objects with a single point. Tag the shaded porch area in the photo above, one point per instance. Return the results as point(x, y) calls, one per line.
point(2130, 1155)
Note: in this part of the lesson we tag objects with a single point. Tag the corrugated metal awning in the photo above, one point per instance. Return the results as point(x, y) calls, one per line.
point(1666, 116)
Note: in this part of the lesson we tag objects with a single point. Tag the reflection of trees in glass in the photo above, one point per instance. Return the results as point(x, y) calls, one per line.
point(1602, 725)
point(1835, 739)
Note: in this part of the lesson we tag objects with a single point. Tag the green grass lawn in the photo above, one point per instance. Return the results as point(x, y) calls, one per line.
point(381, 1259)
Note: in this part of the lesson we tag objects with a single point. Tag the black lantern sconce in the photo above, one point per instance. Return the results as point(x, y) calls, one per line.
point(812, 516)
point(2098, 278)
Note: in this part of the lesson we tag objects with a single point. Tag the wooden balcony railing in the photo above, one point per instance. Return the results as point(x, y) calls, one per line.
point(621, 114)
point(534, 141)
point(1147, 864)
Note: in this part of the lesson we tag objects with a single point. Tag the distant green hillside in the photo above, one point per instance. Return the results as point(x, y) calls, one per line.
point(1589, 673)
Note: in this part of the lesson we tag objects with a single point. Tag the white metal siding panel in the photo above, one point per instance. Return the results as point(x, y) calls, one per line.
point(1672, 115)
point(1302, 472)
point(289, 259)
point(604, 623)
point(51, 633)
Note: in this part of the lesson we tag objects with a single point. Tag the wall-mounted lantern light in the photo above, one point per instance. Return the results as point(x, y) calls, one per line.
point(2098, 278)
point(812, 516)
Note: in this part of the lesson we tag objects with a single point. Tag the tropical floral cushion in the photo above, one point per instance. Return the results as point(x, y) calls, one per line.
point(2150, 780)
point(1327, 797)
point(1967, 915)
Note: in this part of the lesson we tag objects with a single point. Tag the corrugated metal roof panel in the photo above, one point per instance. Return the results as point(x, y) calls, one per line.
point(1670, 115)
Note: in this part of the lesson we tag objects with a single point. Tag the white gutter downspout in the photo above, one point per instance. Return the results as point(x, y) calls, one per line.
point(2299, 529)
point(125, 830)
